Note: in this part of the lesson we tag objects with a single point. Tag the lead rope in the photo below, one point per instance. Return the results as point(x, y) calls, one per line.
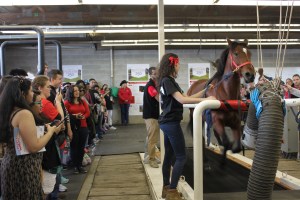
point(259, 49)
point(287, 36)
point(280, 37)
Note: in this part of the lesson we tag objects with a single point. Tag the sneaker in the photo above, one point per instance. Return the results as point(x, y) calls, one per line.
point(146, 160)
point(173, 194)
point(112, 128)
point(82, 170)
point(164, 191)
point(62, 188)
point(64, 180)
point(96, 140)
point(153, 164)
point(76, 171)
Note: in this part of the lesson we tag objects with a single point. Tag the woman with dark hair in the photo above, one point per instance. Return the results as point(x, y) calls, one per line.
point(3, 82)
point(79, 112)
point(50, 112)
point(169, 120)
point(21, 173)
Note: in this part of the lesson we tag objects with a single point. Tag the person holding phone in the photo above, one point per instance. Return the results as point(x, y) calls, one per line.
point(21, 174)
point(78, 111)
point(50, 112)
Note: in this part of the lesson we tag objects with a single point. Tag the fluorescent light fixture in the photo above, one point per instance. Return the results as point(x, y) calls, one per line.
point(153, 28)
point(193, 42)
point(149, 2)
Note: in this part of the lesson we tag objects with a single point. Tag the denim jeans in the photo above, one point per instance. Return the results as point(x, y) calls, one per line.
point(124, 113)
point(174, 145)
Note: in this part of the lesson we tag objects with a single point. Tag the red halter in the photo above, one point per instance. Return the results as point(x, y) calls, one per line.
point(237, 67)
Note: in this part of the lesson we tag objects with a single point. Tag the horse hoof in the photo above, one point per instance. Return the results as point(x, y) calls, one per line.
point(236, 147)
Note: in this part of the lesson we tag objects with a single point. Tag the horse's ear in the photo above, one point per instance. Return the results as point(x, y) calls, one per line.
point(229, 41)
point(246, 42)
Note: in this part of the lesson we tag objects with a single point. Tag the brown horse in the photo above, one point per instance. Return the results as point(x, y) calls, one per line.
point(233, 64)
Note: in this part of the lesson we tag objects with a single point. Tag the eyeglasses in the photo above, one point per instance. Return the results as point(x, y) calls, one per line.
point(37, 102)
point(82, 90)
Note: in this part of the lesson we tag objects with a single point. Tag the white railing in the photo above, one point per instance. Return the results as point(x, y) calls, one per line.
point(198, 149)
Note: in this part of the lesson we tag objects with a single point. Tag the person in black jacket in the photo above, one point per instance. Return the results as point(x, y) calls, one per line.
point(150, 114)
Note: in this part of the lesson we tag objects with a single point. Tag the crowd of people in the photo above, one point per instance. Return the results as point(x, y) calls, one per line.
point(39, 119)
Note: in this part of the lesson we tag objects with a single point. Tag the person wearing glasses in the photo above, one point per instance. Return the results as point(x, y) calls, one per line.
point(50, 112)
point(21, 166)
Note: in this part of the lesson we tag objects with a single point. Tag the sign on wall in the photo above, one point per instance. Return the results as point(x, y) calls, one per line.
point(137, 76)
point(72, 73)
point(198, 71)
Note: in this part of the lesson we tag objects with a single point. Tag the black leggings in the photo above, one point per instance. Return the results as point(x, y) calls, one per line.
point(77, 145)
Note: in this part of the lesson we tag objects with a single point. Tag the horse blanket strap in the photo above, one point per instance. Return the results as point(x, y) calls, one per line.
point(233, 105)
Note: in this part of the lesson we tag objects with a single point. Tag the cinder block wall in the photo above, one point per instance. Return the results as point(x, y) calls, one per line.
point(97, 64)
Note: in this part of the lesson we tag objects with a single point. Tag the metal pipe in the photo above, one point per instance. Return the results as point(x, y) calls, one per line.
point(41, 45)
point(161, 52)
point(198, 161)
point(33, 42)
point(111, 65)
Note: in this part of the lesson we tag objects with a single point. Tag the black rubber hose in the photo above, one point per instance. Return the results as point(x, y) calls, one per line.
point(250, 129)
point(267, 151)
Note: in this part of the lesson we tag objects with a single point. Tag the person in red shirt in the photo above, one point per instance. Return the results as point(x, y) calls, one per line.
point(125, 97)
point(79, 111)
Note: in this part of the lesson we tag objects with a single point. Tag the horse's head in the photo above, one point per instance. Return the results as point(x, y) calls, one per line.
point(240, 58)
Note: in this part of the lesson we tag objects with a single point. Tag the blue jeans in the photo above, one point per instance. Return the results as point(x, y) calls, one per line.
point(174, 145)
point(124, 113)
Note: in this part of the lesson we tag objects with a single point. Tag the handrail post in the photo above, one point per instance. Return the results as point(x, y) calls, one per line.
point(198, 151)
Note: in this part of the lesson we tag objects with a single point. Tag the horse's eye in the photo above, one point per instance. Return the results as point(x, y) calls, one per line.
point(236, 53)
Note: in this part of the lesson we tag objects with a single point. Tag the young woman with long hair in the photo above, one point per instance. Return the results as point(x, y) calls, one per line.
point(169, 120)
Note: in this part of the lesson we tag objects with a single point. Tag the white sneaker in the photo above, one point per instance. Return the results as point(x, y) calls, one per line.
point(62, 188)
point(146, 160)
point(112, 128)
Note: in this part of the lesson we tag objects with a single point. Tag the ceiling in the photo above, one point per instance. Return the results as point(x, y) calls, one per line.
point(186, 26)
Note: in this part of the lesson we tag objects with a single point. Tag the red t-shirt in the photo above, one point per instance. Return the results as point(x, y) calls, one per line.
point(82, 108)
point(48, 109)
point(124, 95)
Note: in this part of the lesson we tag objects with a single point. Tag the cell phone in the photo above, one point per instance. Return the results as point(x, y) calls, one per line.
point(60, 121)
point(59, 89)
point(54, 122)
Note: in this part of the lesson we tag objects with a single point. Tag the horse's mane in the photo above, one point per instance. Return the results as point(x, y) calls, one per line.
point(220, 63)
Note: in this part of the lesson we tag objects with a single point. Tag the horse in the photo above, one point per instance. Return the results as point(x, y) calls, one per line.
point(234, 63)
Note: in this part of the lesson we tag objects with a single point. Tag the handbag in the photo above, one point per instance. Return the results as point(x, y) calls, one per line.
point(60, 138)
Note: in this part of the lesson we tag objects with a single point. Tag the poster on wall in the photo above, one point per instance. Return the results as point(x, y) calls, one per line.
point(137, 76)
point(198, 71)
point(72, 73)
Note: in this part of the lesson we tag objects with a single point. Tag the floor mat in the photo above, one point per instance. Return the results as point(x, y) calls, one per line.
point(123, 140)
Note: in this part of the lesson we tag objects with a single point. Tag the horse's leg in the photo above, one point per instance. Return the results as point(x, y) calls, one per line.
point(236, 131)
point(206, 164)
point(236, 146)
point(222, 138)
